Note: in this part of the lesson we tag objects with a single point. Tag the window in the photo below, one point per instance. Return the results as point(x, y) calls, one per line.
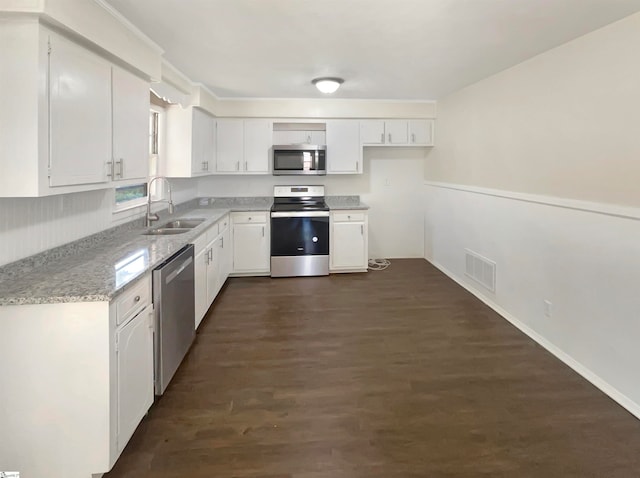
point(130, 193)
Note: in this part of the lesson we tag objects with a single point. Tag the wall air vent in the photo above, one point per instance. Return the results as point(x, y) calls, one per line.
point(480, 269)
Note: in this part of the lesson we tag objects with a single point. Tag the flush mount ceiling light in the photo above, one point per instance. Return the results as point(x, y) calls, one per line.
point(327, 85)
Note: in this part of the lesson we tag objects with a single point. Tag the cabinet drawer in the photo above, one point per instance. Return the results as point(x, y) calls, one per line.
point(200, 242)
point(133, 301)
point(249, 217)
point(219, 227)
point(348, 216)
point(223, 224)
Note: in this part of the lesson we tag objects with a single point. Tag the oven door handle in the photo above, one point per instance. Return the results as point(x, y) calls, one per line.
point(300, 214)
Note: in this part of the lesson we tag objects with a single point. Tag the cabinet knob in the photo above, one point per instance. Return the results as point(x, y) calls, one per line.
point(137, 298)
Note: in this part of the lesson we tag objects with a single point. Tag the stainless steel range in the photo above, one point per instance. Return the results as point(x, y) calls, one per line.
point(299, 232)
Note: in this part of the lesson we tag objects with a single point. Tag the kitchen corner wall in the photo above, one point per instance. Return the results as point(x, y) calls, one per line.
point(32, 225)
point(536, 169)
point(391, 185)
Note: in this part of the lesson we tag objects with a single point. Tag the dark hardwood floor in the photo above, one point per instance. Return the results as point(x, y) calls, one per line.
point(392, 374)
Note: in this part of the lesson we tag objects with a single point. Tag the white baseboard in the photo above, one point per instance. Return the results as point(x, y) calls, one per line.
point(613, 393)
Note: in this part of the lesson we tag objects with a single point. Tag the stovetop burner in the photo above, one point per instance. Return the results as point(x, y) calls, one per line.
point(299, 198)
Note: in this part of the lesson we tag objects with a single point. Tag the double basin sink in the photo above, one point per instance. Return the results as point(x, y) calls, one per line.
point(177, 226)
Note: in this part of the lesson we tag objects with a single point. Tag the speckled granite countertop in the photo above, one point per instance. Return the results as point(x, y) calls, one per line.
point(345, 202)
point(101, 266)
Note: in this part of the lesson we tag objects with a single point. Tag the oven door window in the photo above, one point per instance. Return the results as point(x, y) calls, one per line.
point(299, 236)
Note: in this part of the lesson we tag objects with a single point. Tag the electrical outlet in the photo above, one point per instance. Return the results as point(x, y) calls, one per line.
point(547, 308)
point(387, 182)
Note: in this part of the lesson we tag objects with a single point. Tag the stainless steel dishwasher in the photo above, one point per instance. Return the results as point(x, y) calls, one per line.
point(174, 302)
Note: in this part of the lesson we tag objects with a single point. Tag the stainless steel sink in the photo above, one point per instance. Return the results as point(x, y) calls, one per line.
point(162, 231)
point(177, 226)
point(185, 223)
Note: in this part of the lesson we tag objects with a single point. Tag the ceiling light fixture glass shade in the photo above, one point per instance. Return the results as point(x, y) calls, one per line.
point(327, 85)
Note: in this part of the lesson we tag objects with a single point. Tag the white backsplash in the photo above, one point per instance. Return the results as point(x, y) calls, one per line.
point(32, 225)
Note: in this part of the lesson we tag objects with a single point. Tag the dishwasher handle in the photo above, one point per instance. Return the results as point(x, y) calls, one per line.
point(179, 270)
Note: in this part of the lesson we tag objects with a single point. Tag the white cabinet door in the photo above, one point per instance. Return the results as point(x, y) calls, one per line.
point(421, 132)
point(200, 286)
point(212, 271)
point(396, 132)
point(258, 135)
point(80, 114)
point(130, 102)
point(344, 152)
point(229, 145)
point(349, 244)
point(251, 252)
point(203, 143)
point(226, 256)
point(372, 132)
point(134, 351)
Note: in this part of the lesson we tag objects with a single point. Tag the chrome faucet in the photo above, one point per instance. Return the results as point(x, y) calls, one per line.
point(150, 217)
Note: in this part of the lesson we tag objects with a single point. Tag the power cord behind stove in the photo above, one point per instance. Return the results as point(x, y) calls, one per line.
point(379, 264)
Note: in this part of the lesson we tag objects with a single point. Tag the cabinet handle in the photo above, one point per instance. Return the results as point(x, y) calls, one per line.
point(262, 231)
point(121, 168)
point(204, 165)
point(210, 255)
point(110, 169)
point(222, 242)
point(349, 217)
point(389, 137)
point(361, 230)
point(413, 137)
point(309, 139)
point(237, 165)
point(357, 166)
point(246, 167)
point(137, 298)
point(382, 137)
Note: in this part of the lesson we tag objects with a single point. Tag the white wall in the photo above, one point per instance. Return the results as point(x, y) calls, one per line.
point(565, 123)
point(537, 168)
point(587, 264)
point(32, 225)
point(391, 185)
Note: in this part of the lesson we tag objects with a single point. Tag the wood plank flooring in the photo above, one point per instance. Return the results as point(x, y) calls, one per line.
point(395, 374)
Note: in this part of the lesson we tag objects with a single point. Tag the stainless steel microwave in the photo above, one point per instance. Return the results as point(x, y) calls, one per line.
point(297, 159)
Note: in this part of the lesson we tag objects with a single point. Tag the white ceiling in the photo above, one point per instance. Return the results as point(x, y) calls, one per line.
point(384, 49)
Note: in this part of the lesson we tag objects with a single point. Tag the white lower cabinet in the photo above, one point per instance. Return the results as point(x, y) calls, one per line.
point(349, 244)
point(134, 359)
point(79, 394)
point(133, 344)
point(251, 243)
point(212, 259)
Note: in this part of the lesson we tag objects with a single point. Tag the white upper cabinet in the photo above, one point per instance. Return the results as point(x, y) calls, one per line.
point(243, 146)
point(203, 143)
point(190, 142)
point(71, 121)
point(80, 114)
point(421, 132)
point(397, 132)
point(257, 145)
point(299, 137)
point(344, 153)
point(130, 102)
point(372, 132)
point(230, 145)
